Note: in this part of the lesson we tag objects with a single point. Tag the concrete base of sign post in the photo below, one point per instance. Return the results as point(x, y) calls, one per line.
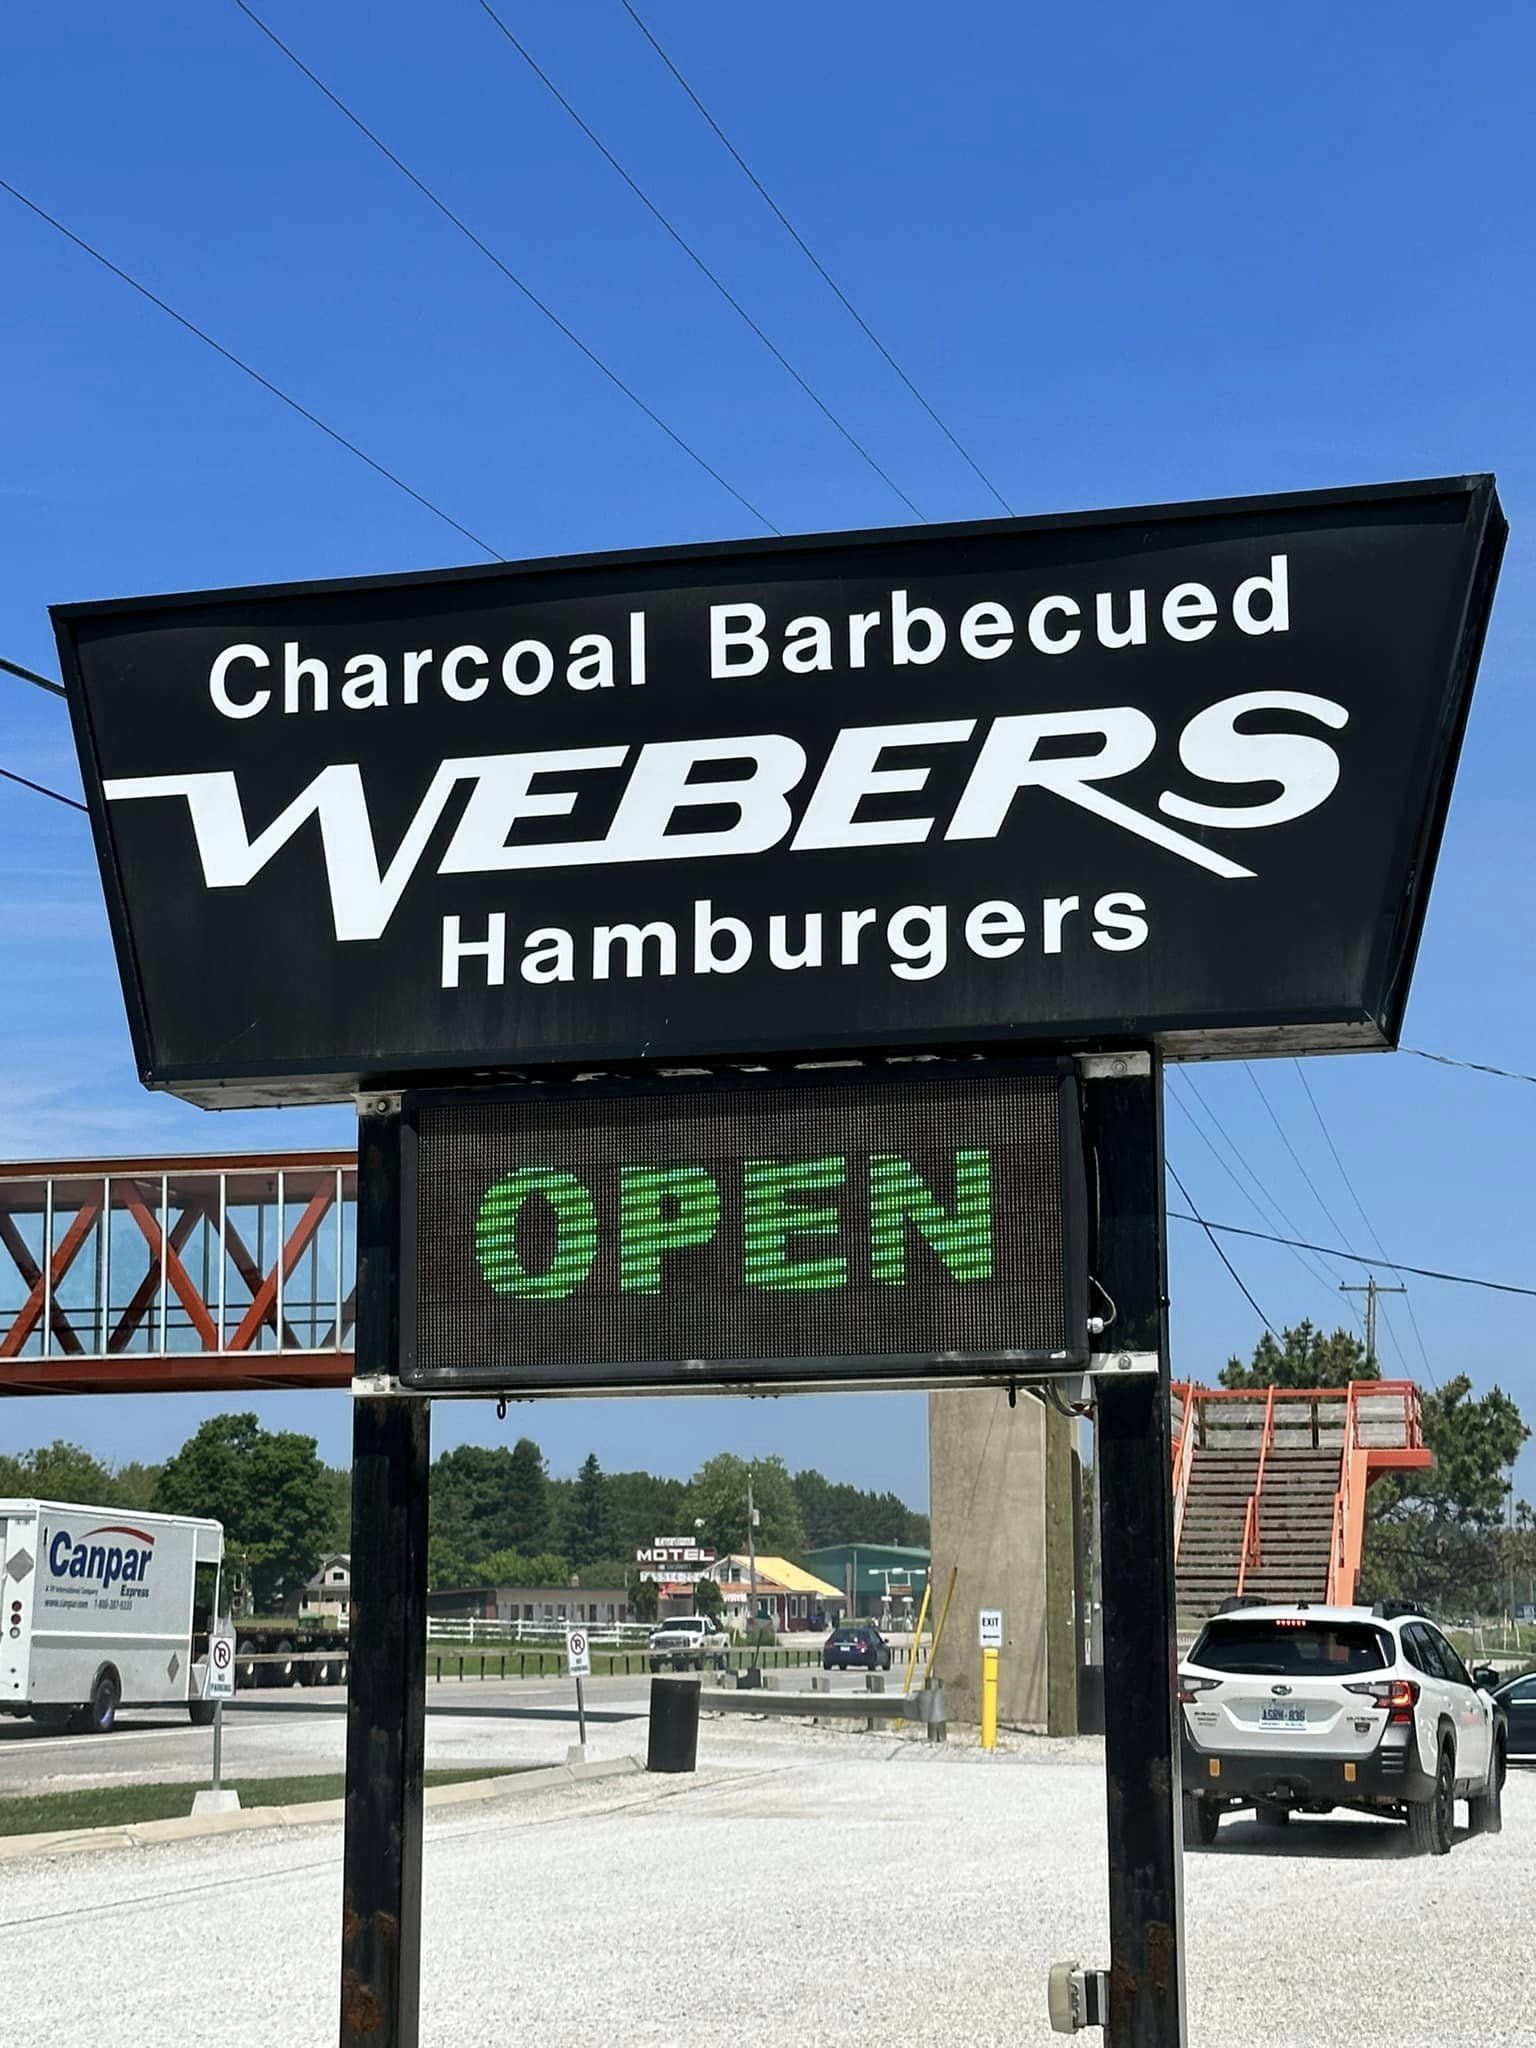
point(225, 1800)
point(579, 1753)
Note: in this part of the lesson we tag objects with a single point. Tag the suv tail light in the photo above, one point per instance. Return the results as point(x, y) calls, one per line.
point(1190, 1688)
point(1398, 1695)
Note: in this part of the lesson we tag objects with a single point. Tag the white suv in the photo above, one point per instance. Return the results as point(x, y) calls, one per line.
point(1301, 1709)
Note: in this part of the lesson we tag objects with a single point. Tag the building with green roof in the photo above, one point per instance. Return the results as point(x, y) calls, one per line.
point(884, 1582)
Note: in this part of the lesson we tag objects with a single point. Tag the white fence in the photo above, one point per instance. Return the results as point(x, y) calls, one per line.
point(473, 1630)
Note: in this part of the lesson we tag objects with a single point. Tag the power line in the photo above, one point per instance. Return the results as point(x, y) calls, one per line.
point(246, 369)
point(693, 255)
point(30, 675)
point(43, 790)
point(1370, 1228)
point(509, 274)
point(1263, 1205)
point(1332, 1220)
point(815, 261)
point(1443, 1059)
point(1216, 1248)
point(1357, 1258)
point(1295, 1155)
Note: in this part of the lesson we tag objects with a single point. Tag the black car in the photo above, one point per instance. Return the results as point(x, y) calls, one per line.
point(1518, 1700)
point(860, 1645)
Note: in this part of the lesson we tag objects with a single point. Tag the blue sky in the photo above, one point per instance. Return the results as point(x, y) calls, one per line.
point(1130, 255)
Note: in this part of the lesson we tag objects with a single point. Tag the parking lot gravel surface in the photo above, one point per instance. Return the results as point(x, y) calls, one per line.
point(806, 1886)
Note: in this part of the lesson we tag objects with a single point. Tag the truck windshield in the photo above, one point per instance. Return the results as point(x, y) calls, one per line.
point(1290, 1649)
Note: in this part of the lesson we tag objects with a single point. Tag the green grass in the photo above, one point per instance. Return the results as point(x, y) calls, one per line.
point(452, 1662)
point(1516, 1641)
point(106, 1806)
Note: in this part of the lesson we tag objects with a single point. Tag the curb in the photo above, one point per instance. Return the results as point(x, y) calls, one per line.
point(147, 1834)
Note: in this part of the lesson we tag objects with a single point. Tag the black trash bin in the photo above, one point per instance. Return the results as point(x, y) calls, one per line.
point(674, 1743)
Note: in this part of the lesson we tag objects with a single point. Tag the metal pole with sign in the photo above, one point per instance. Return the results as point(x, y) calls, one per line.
point(218, 1686)
point(578, 1662)
point(387, 1637)
point(1145, 1981)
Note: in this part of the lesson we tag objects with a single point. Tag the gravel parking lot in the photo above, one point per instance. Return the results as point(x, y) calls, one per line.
point(806, 1887)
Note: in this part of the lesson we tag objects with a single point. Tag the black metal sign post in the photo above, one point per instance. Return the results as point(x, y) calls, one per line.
point(1124, 1130)
point(387, 1647)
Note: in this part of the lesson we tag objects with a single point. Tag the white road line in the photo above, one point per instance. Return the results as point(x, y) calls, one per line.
point(48, 1745)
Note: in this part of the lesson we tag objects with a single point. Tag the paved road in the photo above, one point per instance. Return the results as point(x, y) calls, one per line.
point(841, 1880)
point(293, 1730)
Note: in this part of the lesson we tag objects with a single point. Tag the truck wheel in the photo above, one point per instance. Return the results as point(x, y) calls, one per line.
point(1485, 1814)
point(246, 1673)
point(1201, 1821)
point(1429, 1820)
point(99, 1715)
point(200, 1712)
point(282, 1674)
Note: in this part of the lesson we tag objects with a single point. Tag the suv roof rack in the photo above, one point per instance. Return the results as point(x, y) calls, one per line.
point(1391, 1610)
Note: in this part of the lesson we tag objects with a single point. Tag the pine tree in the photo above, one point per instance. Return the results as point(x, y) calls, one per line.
point(527, 1518)
point(588, 1534)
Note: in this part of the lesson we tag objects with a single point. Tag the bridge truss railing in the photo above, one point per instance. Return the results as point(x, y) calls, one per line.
point(122, 1275)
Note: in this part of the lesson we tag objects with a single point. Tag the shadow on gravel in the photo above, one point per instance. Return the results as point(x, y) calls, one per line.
point(1319, 1838)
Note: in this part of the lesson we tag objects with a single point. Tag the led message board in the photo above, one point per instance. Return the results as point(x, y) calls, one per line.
point(1172, 775)
point(923, 1227)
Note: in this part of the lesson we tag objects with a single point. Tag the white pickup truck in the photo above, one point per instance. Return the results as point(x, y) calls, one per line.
point(687, 1641)
point(103, 1608)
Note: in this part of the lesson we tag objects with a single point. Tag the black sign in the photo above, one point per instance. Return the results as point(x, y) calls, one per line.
point(1175, 774)
point(807, 1230)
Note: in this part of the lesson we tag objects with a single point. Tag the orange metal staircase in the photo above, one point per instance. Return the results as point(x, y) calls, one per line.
point(1270, 1486)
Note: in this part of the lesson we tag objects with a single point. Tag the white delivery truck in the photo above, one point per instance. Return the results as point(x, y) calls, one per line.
point(102, 1608)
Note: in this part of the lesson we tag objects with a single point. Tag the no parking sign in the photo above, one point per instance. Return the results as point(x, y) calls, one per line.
point(578, 1653)
point(219, 1677)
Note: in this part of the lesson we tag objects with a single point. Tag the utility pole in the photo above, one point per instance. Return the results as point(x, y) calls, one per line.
point(1370, 1290)
point(751, 1555)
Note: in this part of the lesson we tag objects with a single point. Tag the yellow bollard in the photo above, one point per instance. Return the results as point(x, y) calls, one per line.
point(938, 1634)
point(989, 1699)
point(917, 1636)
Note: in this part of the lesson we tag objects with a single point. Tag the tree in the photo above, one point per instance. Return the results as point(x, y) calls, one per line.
point(642, 1507)
point(468, 1495)
point(644, 1600)
point(1436, 1536)
point(586, 1523)
point(708, 1598)
point(268, 1489)
point(839, 1513)
point(449, 1565)
point(1303, 1357)
point(338, 1491)
point(59, 1471)
point(528, 1511)
point(717, 1493)
point(136, 1486)
point(512, 1568)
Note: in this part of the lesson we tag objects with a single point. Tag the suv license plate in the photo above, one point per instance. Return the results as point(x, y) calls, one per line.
point(1283, 1717)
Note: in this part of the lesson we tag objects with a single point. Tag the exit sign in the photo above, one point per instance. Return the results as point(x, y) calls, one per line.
point(803, 1229)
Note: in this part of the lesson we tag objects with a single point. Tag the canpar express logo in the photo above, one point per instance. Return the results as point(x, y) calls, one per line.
point(107, 1564)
